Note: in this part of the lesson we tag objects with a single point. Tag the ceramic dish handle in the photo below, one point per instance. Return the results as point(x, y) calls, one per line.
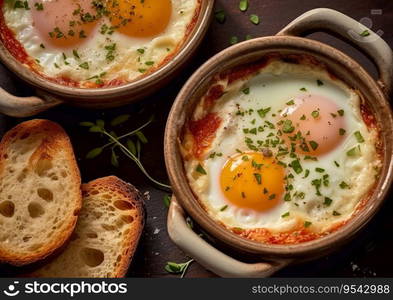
point(208, 256)
point(332, 21)
point(24, 106)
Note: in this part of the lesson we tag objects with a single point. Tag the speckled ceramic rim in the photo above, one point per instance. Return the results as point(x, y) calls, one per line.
point(344, 68)
point(143, 85)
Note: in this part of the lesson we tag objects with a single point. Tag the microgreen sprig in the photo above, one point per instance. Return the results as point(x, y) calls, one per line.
point(175, 268)
point(131, 151)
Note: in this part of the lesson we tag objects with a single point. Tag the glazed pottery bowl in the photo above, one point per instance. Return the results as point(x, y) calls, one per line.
point(269, 258)
point(50, 94)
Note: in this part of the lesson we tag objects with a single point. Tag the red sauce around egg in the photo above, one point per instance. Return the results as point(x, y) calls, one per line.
point(203, 131)
point(7, 38)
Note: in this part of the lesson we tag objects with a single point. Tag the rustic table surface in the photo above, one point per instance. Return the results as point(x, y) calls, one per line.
point(367, 255)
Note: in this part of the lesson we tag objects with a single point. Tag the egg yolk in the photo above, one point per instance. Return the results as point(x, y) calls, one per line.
point(137, 18)
point(251, 180)
point(319, 121)
point(64, 23)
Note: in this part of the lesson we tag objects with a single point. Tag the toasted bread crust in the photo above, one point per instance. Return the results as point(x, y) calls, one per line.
point(134, 197)
point(54, 140)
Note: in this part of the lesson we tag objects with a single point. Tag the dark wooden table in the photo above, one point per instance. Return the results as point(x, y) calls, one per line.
point(367, 255)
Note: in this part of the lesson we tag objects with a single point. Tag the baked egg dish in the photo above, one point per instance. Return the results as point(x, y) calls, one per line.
point(281, 151)
point(96, 43)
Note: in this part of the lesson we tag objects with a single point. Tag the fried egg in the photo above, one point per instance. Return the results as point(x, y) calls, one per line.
point(99, 42)
point(290, 152)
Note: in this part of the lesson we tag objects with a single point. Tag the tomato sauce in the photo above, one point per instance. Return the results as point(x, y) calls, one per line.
point(203, 131)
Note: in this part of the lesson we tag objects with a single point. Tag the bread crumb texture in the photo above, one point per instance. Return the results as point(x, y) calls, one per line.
point(40, 193)
point(106, 235)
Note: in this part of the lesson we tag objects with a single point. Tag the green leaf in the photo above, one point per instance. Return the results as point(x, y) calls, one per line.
point(220, 16)
point(296, 166)
point(167, 201)
point(314, 145)
point(287, 126)
point(141, 137)
point(327, 201)
point(120, 119)
point(114, 159)
point(173, 267)
point(243, 5)
point(359, 137)
point(84, 65)
point(254, 19)
point(285, 215)
point(246, 90)
point(95, 129)
point(258, 177)
point(365, 33)
point(200, 169)
point(86, 124)
point(307, 224)
point(131, 146)
point(263, 112)
point(224, 208)
point(344, 185)
point(100, 123)
point(315, 114)
point(248, 37)
point(233, 40)
point(94, 153)
point(354, 151)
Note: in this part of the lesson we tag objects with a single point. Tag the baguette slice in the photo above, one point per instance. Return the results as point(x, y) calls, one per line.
point(106, 235)
point(40, 193)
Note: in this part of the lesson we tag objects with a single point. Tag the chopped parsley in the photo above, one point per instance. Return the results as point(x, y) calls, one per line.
point(315, 114)
point(327, 201)
point(344, 185)
point(295, 164)
point(220, 16)
point(314, 145)
point(224, 208)
point(200, 170)
point(365, 33)
point(254, 19)
point(263, 112)
point(285, 215)
point(39, 6)
point(84, 65)
point(243, 5)
point(307, 224)
point(246, 91)
point(359, 137)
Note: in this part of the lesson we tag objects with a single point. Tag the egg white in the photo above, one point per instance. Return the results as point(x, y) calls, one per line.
point(273, 87)
point(128, 63)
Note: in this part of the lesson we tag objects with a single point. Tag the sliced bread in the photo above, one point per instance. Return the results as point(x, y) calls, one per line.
point(106, 235)
point(40, 194)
